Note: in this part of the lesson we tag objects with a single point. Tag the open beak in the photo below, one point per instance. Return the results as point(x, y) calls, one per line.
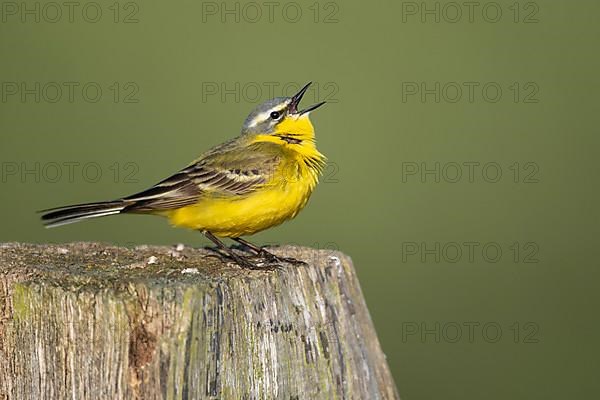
point(293, 107)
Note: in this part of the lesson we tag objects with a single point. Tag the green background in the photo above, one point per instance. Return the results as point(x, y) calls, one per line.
point(363, 57)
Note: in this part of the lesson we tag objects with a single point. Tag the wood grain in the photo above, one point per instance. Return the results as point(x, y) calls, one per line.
point(92, 321)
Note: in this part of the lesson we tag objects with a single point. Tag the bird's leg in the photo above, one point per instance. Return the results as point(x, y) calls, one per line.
point(241, 261)
point(261, 252)
point(249, 245)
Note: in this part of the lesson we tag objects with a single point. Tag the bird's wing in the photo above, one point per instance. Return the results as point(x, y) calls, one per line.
point(233, 172)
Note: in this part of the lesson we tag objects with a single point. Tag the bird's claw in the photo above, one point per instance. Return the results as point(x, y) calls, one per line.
point(272, 258)
point(246, 263)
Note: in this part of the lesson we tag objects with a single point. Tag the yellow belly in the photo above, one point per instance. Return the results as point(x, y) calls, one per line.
point(239, 216)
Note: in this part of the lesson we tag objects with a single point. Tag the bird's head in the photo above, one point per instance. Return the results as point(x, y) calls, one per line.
point(279, 120)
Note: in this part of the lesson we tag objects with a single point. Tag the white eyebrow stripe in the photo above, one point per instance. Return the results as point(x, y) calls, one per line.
point(263, 116)
point(260, 117)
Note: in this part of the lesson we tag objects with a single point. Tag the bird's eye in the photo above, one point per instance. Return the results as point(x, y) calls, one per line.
point(275, 114)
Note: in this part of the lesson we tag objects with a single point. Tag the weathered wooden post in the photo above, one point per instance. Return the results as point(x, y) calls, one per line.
point(89, 321)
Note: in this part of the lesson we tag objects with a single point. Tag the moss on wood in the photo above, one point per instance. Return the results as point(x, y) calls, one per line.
point(90, 321)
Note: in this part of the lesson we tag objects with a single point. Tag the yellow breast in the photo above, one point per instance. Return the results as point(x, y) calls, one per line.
point(279, 200)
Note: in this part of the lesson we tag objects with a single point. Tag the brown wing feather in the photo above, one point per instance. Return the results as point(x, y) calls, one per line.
point(222, 172)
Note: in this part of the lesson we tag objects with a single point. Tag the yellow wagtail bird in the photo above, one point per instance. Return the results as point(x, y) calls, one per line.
point(257, 180)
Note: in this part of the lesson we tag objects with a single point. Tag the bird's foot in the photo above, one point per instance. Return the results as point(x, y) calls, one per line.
point(245, 262)
point(272, 258)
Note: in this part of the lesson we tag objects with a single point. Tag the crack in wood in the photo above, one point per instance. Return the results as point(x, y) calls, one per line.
point(93, 321)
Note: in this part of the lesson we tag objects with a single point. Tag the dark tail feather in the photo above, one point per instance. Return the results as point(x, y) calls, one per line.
point(70, 214)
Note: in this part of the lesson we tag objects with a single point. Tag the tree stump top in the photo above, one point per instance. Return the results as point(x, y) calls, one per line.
point(88, 320)
point(106, 266)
